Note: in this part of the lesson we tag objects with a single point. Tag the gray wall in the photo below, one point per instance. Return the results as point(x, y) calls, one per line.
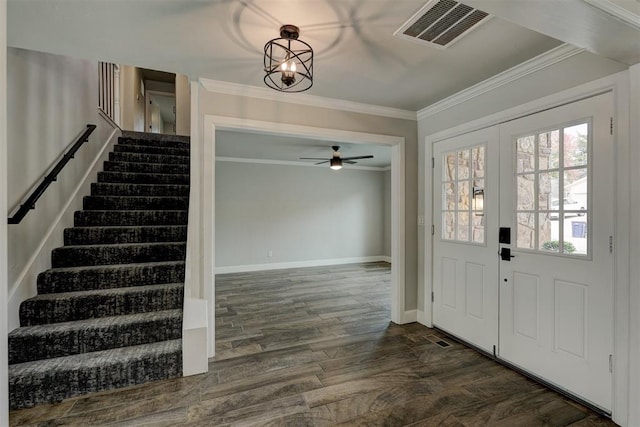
point(387, 214)
point(279, 112)
point(299, 213)
point(50, 99)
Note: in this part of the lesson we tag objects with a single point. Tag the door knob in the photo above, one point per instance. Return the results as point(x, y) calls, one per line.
point(505, 254)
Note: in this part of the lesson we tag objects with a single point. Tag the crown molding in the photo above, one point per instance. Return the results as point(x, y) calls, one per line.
point(293, 163)
point(616, 11)
point(228, 88)
point(538, 63)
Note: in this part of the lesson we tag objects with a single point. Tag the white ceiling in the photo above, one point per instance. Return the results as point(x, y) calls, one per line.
point(289, 149)
point(357, 58)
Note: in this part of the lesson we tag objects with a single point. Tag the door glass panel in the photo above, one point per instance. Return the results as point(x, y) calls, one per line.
point(575, 235)
point(526, 192)
point(548, 232)
point(526, 230)
point(548, 191)
point(552, 190)
point(575, 145)
point(525, 154)
point(463, 164)
point(477, 231)
point(549, 150)
point(462, 212)
point(463, 226)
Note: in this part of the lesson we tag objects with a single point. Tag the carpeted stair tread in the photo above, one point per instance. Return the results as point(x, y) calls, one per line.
point(71, 306)
point(114, 189)
point(52, 380)
point(148, 158)
point(132, 217)
point(121, 253)
point(73, 279)
point(134, 202)
point(146, 149)
point(67, 338)
point(143, 178)
point(132, 234)
point(108, 313)
point(153, 142)
point(145, 167)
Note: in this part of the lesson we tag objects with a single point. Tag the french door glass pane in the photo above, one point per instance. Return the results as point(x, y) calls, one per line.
point(552, 190)
point(575, 145)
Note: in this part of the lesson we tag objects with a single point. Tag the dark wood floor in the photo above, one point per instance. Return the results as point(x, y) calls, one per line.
point(315, 347)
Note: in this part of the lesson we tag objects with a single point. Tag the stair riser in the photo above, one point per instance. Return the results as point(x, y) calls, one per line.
point(40, 312)
point(145, 167)
point(148, 158)
point(145, 149)
point(104, 235)
point(142, 178)
point(109, 277)
point(152, 143)
point(134, 203)
point(56, 385)
point(109, 255)
point(124, 218)
point(108, 189)
point(64, 343)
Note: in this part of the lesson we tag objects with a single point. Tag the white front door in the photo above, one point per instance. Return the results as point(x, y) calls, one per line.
point(465, 185)
point(556, 293)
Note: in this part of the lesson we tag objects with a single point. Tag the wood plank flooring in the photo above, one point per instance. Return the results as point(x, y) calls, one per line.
point(315, 347)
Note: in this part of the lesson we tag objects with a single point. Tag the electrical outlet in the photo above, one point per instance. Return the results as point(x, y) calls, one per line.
point(270, 254)
point(420, 219)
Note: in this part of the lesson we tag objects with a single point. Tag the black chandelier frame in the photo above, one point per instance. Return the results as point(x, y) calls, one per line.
point(287, 48)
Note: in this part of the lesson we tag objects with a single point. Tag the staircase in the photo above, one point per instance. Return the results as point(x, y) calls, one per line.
point(108, 313)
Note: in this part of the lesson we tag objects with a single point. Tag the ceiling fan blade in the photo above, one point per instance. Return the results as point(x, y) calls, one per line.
point(313, 158)
point(357, 157)
point(350, 162)
point(326, 161)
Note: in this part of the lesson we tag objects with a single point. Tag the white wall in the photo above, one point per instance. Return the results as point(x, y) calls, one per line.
point(51, 99)
point(4, 381)
point(299, 213)
point(243, 107)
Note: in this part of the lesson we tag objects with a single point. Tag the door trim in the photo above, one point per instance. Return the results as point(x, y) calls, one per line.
point(618, 84)
point(213, 123)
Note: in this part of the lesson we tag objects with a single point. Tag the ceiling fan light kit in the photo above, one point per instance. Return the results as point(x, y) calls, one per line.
point(335, 162)
point(288, 62)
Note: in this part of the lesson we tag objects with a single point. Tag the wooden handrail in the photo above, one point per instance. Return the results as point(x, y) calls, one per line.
point(30, 203)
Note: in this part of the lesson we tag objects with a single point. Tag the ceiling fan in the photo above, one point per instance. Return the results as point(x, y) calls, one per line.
point(336, 161)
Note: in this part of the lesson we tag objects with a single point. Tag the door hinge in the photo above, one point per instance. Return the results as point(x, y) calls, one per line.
point(433, 230)
point(494, 351)
point(433, 298)
point(610, 244)
point(433, 162)
point(611, 363)
point(611, 126)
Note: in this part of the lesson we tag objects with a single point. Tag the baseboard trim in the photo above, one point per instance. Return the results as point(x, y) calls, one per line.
point(299, 264)
point(409, 316)
point(24, 286)
point(422, 319)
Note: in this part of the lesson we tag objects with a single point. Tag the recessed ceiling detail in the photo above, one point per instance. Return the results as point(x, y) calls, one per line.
point(440, 23)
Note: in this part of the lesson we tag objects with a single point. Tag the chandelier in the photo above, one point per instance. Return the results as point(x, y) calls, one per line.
point(288, 62)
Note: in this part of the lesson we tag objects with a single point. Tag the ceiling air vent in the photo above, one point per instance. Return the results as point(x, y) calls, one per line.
point(440, 23)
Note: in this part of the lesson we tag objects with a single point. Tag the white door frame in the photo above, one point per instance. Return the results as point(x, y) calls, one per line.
point(147, 111)
point(623, 411)
point(213, 123)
